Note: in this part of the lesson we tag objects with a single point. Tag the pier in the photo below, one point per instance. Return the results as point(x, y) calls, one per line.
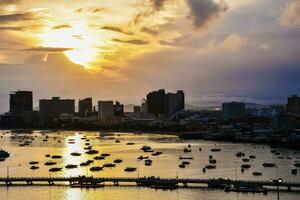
point(153, 182)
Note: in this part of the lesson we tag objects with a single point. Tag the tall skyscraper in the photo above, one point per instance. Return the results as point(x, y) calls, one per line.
point(20, 101)
point(233, 110)
point(174, 102)
point(293, 104)
point(160, 103)
point(156, 102)
point(85, 107)
point(105, 109)
point(51, 109)
point(118, 109)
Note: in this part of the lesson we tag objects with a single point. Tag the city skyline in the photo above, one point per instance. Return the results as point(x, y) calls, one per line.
point(79, 50)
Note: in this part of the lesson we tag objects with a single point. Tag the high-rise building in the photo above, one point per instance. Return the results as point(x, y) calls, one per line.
point(160, 103)
point(118, 109)
point(20, 101)
point(174, 102)
point(85, 107)
point(136, 109)
point(233, 110)
point(293, 104)
point(51, 109)
point(156, 102)
point(144, 106)
point(105, 109)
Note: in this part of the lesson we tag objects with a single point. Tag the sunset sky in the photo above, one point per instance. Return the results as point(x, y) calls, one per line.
point(215, 50)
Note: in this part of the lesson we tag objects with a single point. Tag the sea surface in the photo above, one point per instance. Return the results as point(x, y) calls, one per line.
point(165, 165)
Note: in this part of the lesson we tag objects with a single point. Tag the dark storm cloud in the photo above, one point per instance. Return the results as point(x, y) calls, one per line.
point(205, 12)
point(48, 49)
point(132, 41)
point(116, 29)
point(60, 26)
point(17, 17)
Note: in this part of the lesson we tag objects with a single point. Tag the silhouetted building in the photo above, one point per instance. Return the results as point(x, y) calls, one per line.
point(118, 109)
point(293, 104)
point(160, 103)
point(174, 102)
point(136, 109)
point(156, 102)
point(233, 110)
point(85, 107)
point(105, 109)
point(51, 109)
point(20, 101)
point(144, 106)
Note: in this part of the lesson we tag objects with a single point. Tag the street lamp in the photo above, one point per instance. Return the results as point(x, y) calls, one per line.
point(278, 182)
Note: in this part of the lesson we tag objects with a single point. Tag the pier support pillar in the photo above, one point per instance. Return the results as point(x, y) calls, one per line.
point(29, 182)
point(116, 183)
point(50, 182)
point(289, 188)
point(185, 185)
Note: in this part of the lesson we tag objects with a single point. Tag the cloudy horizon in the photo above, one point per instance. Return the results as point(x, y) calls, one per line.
point(214, 50)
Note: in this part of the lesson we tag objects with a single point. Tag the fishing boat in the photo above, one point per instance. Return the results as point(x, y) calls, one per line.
point(33, 163)
point(34, 167)
point(252, 156)
point(76, 154)
point(245, 159)
point(84, 164)
point(245, 166)
point(130, 169)
point(256, 173)
point(118, 161)
point(142, 157)
point(90, 161)
point(297, 164)
point(240, 154)
point(55, 169)
point(56, 157)
point(99, 158)
point(156, 153)
point(96, 168)
point(148, 162)
point(181, 165)
point(186, 162)
point(92, 151)
point(49, 163)
point(70, 166)
point(212, 161)
point(215, 150)
point(210, 167)
point(187, 150)
point(4, 154)
point(130, 143)
point(294, 171)
point(109, 165)
point(185, 158)
point(105, 154)
point(268, 164)
point(88, 148)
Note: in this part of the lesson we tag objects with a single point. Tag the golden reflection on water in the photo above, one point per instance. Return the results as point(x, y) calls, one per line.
point(77, 147)
point(73, 194)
